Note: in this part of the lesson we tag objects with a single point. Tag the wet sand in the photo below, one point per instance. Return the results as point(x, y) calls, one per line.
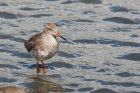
point(103, 59)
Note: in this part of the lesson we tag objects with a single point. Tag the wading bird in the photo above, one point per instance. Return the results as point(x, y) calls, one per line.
point(43, 45)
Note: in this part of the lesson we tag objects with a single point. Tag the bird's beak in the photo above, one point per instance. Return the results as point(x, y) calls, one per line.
point(59, 35)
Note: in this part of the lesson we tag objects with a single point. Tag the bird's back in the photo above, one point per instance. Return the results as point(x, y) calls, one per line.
point(32, 42)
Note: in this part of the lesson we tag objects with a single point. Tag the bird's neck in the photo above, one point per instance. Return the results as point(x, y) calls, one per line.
point(46, 33)
point(46, 30)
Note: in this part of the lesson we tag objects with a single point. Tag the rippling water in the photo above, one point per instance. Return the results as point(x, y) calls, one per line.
point(104, 56)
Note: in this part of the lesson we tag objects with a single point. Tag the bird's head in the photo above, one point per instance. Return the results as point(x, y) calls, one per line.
point(51, 28)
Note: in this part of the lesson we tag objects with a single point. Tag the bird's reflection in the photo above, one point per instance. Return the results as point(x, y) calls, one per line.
point(42, 85)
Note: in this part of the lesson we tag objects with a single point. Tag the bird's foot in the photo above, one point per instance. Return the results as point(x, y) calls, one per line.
point(37, 69)
point(44, 69)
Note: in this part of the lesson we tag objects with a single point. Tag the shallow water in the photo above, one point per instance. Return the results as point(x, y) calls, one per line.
point(102, 56)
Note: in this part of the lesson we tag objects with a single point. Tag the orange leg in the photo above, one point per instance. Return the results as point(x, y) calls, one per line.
point(37, 68)
point(44, 67)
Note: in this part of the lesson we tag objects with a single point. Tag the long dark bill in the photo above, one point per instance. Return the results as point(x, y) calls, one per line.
point(63, 38)
point(69, 41)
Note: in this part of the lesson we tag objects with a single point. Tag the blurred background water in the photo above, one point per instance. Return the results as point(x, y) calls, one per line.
point(104, 56)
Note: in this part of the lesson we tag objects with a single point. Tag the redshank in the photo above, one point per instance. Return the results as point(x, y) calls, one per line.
point(43, 45)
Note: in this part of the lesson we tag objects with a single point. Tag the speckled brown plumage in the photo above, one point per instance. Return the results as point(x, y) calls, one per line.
point(43, 45)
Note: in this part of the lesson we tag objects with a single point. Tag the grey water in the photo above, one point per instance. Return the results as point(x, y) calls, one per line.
point(101, 54)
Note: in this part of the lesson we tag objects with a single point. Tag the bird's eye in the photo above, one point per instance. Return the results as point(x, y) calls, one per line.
point(50, 29)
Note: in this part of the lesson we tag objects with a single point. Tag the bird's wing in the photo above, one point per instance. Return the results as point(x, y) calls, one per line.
point(29, 45)
point(32, 42)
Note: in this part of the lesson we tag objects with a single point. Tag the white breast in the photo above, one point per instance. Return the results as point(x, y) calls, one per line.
point(50, 42)
point(47, 49)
